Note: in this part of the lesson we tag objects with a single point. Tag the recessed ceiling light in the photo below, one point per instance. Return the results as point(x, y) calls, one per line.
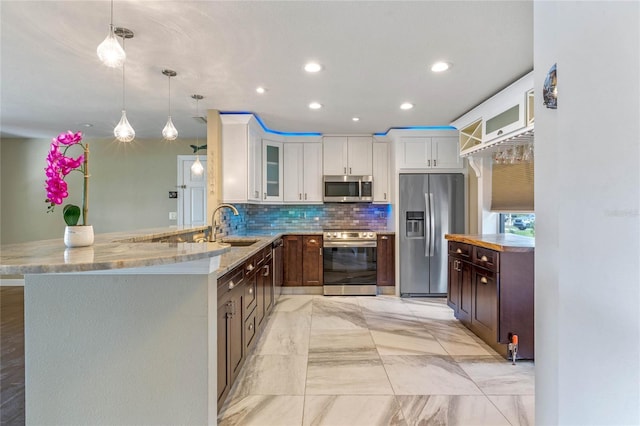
point(315, 105)
point(312, 67)
point(356, 118)
point(406, 105)
point(440, 66)
point(261, 90)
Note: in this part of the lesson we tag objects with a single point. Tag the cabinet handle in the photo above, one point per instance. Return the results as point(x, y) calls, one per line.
point(458, 251)
point(299, 196)
point(257, 195)
point(320, 251)
point(428, 163)
point(305, 195)
point(385, 195)
point(250, 267)
point(384, 237)
point(349, 170)
point(312, 241)
point(484, 258)
point(265, 195)
point(434, 163)
point(250, 326)
point(251, 290)
point(231, 285)
point(229, 313)
point(484, 280)
point(345, 170)
point(265, 273)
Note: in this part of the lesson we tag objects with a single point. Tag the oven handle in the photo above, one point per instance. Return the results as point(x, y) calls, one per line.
point(349, 244)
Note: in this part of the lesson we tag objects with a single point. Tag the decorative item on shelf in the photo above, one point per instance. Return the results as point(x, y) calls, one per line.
point(550, 89)
point(169, 132)
point(59, 165)
point(197, 168)
point(123, 131)
point(109, 51)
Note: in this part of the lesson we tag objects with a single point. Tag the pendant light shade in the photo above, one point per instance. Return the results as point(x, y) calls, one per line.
point(109, 51)
point(123, 131)
point(169, 132)
point(196, 167)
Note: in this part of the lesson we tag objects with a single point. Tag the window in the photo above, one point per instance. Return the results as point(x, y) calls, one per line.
point(518, 223)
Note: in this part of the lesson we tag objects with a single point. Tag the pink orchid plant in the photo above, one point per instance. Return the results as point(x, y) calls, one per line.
point(59, 165)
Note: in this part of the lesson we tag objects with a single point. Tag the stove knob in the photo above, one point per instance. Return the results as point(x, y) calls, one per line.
point(370, 235)
point(335, 234)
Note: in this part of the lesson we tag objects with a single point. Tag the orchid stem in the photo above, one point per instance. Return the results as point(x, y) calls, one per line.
point(85, 193)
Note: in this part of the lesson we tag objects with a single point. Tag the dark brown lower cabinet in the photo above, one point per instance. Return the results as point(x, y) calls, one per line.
point(492, 293)
point(303, 260)
point(245, 298)
point(385, 260)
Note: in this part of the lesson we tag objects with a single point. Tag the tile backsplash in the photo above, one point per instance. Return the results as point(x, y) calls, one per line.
point(262, 217)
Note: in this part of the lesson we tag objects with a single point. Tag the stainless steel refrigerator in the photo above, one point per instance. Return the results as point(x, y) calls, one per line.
point(431, 205)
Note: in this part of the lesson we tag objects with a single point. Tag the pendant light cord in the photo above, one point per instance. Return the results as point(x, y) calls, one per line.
point(123, 66)
point(169, 77)
point(112, 13)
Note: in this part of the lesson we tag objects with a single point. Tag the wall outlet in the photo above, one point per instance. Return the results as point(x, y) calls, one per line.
point(173, 215)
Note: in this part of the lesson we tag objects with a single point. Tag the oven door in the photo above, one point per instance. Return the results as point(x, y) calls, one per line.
point(349, 269)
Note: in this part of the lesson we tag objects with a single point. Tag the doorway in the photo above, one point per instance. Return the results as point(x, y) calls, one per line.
point(192, 192)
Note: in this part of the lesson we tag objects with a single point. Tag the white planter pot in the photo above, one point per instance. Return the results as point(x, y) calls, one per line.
point(78, 236)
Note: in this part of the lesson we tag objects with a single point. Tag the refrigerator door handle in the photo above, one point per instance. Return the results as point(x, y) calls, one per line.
point(432, 224)
point(427, 226)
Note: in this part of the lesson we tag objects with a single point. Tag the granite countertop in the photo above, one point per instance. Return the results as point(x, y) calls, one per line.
point(132, 249)
point(115, 250)
point(498, 242)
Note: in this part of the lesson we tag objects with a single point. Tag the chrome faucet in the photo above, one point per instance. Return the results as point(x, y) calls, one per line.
point(214, 225)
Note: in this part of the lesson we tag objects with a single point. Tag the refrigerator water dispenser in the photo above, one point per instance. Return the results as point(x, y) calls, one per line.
point(415, 225)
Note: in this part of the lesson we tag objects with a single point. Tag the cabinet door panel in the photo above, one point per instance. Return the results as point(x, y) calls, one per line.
point(312, 260)
point(485, 308)
point(381, 173)
point(272, 172)
point(334, 155)
point(312, 171)
point(293, 172)
point(466, 292)
point(224, 373)
point(236, 331)
point(254, 192)
point(292, 260)
point(445, 154)
point(386, 260)
point(360, 155)
point(453, 290)
point(415, 152)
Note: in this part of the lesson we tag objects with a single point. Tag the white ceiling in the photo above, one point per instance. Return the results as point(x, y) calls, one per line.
point(376, 55)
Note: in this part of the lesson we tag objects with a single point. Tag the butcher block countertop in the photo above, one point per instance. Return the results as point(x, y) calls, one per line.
point(498, 242)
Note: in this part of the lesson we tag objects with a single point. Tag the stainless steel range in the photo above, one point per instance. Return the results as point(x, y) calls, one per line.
point(349, 262)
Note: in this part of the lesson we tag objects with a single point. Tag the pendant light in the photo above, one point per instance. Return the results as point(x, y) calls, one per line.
point(123, 131)
point(169, 132)
point(109, 51)
point(197, 168)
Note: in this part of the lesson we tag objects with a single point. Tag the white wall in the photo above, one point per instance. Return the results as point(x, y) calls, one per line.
point(128, 189)
point(587, 187)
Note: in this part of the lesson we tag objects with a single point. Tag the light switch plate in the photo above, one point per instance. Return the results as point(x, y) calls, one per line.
point(173, 215)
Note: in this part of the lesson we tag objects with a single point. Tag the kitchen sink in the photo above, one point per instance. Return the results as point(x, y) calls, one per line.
point(238, 242)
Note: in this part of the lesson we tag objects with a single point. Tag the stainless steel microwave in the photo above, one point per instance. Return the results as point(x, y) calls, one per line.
point(347, 189)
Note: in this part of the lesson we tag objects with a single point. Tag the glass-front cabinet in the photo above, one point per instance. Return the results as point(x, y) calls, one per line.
point(272, 170)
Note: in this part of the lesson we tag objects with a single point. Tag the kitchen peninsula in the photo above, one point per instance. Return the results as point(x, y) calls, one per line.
point(491, 288)
point(122, 332)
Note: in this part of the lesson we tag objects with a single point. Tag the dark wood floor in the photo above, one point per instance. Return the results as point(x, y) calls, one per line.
point(11, 355)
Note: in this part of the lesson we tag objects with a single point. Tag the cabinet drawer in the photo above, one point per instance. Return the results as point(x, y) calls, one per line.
point(267, 253)
point(259, 257)
point(486, 258)
point(250, 330)
point(229, 281)
point(250, 292)
point(460, 250)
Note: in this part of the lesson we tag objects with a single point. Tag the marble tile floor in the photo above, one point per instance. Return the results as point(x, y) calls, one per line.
point(347, 361)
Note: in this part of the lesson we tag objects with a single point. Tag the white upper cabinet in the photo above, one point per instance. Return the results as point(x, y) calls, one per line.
point(429, 153)
point(381, 173)
point(272, 171)
point(352, 155)
point(302, 173)
point(239, 136)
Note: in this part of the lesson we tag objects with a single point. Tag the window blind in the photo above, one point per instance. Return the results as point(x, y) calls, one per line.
point(512, 187)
